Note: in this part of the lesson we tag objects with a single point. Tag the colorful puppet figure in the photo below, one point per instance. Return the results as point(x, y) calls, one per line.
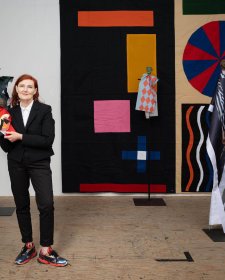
point(147, 95)
point(5, 118)
point(5, 121)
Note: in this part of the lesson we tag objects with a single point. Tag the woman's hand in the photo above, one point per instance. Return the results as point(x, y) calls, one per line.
point(13, 136)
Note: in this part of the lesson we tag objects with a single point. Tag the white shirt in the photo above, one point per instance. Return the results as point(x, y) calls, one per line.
point(26, 112)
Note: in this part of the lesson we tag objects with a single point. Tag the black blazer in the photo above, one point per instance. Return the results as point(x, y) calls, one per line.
point(38, 135)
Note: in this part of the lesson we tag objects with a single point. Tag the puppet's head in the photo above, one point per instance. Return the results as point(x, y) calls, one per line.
point(4, 96)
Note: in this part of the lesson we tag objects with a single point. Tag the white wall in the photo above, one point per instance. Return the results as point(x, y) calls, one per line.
point(30, 43)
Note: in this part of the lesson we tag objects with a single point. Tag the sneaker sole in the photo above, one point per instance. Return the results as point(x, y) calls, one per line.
point(26, 261)
point(53, 264)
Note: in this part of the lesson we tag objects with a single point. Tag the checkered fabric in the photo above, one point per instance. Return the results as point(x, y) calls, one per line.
point(147, 94)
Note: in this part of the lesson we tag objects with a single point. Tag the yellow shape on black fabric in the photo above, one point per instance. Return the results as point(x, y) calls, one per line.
point(141, 52)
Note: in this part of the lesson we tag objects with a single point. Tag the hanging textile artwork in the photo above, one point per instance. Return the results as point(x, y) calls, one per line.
point(147, 95)
point(105, 49)
point(216, 151)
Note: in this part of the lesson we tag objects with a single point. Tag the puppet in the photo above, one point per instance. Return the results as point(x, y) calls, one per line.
point(5, 118)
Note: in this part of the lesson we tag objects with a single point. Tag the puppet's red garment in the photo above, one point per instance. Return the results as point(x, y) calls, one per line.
point(5, 121)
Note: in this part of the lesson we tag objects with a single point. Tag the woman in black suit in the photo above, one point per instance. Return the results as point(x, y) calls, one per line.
point(29, 150)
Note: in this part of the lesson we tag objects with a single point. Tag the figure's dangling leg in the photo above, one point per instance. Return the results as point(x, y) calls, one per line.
point(147, 115)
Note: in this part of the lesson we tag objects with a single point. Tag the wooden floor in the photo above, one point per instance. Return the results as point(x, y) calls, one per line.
point(108, 238)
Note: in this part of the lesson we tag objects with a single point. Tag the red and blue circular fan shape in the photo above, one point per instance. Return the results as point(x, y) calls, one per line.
point(202, 55)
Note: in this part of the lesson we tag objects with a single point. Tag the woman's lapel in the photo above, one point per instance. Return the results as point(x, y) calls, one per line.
point(17, 119)
point(33, 113)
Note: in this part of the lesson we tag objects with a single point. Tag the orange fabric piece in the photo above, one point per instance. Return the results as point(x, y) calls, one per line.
point(189, 148)
point(141, 52)
point(115, 18)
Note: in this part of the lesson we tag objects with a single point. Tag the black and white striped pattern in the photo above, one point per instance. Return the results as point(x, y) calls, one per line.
point(219, 99)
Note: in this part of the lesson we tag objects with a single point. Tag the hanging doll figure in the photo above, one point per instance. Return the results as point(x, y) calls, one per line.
point(147, 95)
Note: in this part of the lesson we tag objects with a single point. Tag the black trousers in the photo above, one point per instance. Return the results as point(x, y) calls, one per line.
point(39, 173)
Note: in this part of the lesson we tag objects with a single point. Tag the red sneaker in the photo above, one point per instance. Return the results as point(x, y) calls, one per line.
point(27, 253)
point(52, 258)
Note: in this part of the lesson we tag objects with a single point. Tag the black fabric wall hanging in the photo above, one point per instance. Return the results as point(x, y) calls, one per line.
point(93, 69)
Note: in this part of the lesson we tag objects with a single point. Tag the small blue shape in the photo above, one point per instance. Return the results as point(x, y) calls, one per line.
point(133, 155)
point(155, 155)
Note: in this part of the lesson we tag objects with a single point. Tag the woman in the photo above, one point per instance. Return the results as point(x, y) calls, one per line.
point(29, 149)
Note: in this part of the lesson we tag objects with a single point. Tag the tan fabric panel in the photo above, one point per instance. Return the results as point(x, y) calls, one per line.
point(185, 25)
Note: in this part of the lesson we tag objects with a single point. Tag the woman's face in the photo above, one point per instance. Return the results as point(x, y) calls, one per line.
point(26, 90)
